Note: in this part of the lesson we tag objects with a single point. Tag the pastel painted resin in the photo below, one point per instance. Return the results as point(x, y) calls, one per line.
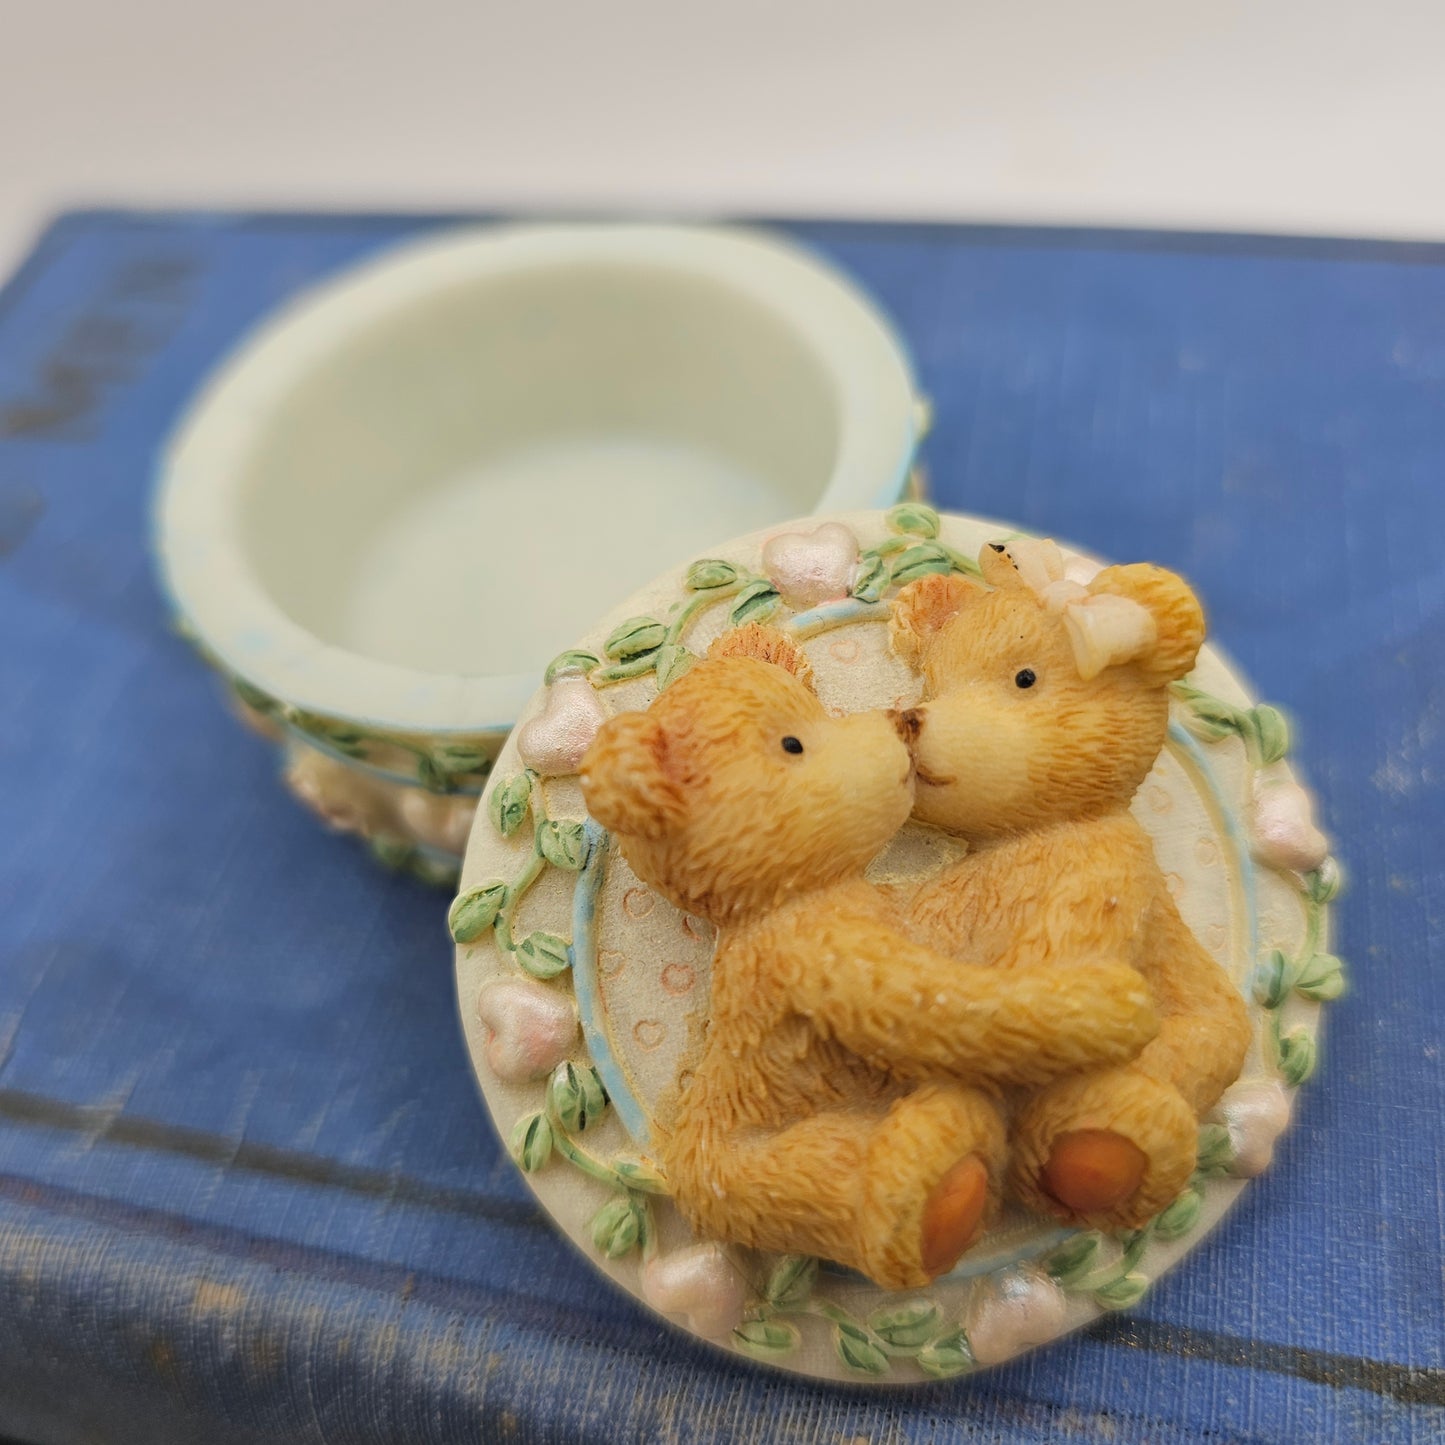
point(357, 520)
point(940, 975)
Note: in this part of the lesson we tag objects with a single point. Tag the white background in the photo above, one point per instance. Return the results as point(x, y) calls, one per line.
point(1289, 115)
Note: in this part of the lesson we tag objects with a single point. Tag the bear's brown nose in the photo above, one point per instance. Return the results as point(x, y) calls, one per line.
point(908, 721)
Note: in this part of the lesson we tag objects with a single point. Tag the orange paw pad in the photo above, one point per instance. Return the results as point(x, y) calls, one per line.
point(953, 1216)
point(1093, 1169)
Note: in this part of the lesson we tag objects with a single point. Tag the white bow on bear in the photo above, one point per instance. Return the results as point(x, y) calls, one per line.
point(1104, 629)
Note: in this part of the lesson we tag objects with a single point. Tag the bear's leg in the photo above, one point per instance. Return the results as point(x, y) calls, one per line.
point(1111, 1149)
point(1108, 1150)
point(794, 1190)
point(1204, 1030)
point(897, 1194)
point(930, 1183)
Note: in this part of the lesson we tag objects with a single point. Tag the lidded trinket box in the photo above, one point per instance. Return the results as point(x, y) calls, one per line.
point(886, 941)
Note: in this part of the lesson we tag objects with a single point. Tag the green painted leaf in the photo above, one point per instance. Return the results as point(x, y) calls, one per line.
point(710, 572)
point(329, 732)
point(329, 729)
point(1324, 884)
point(638, 1174)
point(1180, 1217)
point(392, 852)
point(1123, 1292)
point(253, 697)
point(947, 1356)
point(617, 1227)
point(531, 1141)
point(1211, 729)
point(573, 663)
point(1322, 978)
point(510, 799)
point(1273, 978)
point(563, 844)
point(1073, 1258)
point(872, 577)
point(918, 561)
point(460, 758)
point(858, 1348)
point(766, 1337)
point(634, 637)
point(908, 1324)
point(916, 519)
point(791, 1280)
point(1210, 717)
point(673, 659)
point(1271, 732)
point(435, 872)
point(544, 955)
point(575, 1094)
point(756, 603)
point(474, 911)
point(1215, 1151)
point(431, 777)
point(1298, 1055)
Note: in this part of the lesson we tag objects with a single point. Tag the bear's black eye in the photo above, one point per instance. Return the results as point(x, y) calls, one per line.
point(792, 745)
point(1026, 678)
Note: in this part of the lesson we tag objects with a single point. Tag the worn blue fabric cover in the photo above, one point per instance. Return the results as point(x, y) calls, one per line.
point(247, 1189)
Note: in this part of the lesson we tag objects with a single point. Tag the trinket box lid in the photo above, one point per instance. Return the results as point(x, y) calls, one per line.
point(583, 993)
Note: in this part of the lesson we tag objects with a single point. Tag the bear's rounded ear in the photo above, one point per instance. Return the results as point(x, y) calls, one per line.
point(625, 780)
point(924, 608)
point(763, 644)
point(1178, 631)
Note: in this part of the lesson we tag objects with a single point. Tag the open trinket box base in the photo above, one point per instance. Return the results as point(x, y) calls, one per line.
point(403, 493)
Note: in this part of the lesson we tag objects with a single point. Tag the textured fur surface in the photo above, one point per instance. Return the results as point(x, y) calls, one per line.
point(845, 1068)
point(1038, 780)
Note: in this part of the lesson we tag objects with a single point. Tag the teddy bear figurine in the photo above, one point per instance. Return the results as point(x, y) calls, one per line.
point(1045, 705)
point(845, 1101)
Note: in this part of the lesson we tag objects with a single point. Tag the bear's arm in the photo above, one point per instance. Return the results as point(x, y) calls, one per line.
point(899, 1004)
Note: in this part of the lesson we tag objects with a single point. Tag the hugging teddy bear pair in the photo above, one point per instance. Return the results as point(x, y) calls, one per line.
point(880, 1066)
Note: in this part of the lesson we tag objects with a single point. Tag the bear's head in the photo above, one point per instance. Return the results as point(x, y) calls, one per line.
point(736, 789)
point(1044, 698)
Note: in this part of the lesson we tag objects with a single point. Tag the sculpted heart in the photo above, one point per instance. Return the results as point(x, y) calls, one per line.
point(340, 796)
point(808, 568)
point(1012, 1311)
point(678, 978)
point(701, 1283)
point(649, 1033)
point(554, 741)
point(1282, 826)
point(441, 821)
point(531, 1028)
point(1255, 1113)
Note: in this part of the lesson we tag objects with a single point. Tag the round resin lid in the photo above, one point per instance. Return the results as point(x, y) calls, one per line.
point(585, 994)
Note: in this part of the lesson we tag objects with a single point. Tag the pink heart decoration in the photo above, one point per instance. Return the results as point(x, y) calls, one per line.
point(701, 1283)
point(1282, 826)
point(530, 1028)
point(442, 822)
point(809, 568)
point(339, 795)
point(1012, 1311)
point(1256, 1113)
point(554, 742)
